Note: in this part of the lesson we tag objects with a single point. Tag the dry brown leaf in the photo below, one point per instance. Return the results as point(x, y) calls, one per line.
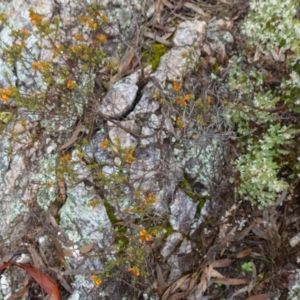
point(124, 63)
point(67, 252)
point(230, 281)
point(162, 285)
point(129, 224)
point(244, 232)
point(221, 263)
point(244, 253)
point(59, 250)
point(61, 187)
point(168, 4)
point(62, 280)
point(200, 288)
point(195, 8)
point(37, 260)
point(72, 139)
point(86, 248)
point(215, 273)
point(260, 297)
point(45, 281)
point(256, 230)
point(159, 7)
point(179, 296)
point(175, 286)
point(157, 38)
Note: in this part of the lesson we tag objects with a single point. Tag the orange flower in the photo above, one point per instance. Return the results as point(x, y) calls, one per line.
point(48, 185)
point(35, 66)
point(24, 32)
point(96, 279)
point(78, 37)
point(209, 99)
point(187, 97)
point(92, 204)
point(143, 232)
point(65, 158)
point(179, 122)
point(148, 237)
point(101, 38)
point(5, 94)
point(2, 17)
point(135, 271)
point(177, 85)
point(35, 18)
point(150, 198)
point(129, 158)
point(104, 144)
point(70, 84)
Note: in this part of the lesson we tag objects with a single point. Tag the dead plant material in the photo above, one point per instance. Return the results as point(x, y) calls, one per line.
point(175, 286)
point(260, 297)
point(59, 250)
point(157, 38)
point(45, 281)
point(244, 253)
point(73, 139)
point(36, 258)
point(161, 283)
point(125, 62)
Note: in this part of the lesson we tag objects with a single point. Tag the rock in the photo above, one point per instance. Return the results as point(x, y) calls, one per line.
point(171, 243)
point(183, 210)
point(189, 33)
point(147, 104)
point(119, 100)
point(118, 136)
point(83, 223)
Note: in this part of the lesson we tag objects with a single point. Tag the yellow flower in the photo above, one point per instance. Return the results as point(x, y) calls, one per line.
point(148, 237)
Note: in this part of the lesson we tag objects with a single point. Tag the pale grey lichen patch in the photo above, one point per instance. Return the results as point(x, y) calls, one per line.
point(83, 223)
point(201, 158)
point(190, 32)
point(46, 174)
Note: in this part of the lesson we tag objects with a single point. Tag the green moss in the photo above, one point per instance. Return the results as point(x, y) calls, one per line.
point(110, 212)
point(183, 183)
point(153, 55)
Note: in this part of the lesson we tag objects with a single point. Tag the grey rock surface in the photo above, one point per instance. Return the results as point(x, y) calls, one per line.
point(183, 210)
point(29, 160)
